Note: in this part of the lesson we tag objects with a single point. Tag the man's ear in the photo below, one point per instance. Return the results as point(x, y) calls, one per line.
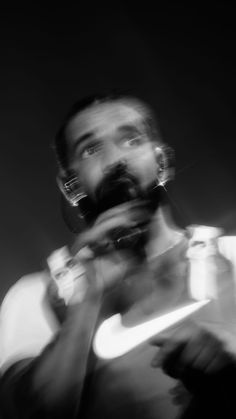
point(165, 160)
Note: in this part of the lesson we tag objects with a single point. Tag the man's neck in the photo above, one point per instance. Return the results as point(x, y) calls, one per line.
point(163, 234)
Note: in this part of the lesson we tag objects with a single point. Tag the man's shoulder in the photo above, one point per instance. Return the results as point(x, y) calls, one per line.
point(32, 286)
point(227, 246)
point(204, 232)
point(27, 323)
point(226, 243)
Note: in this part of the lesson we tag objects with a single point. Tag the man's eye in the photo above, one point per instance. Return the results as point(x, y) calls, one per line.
point(90, 151)
point(133, 141)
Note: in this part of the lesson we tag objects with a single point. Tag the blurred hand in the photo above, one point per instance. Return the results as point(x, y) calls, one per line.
point(196, 356)
point(97, 237)
point(105, 265)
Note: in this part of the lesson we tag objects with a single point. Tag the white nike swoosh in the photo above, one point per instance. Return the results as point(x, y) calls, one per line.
point(112, 339)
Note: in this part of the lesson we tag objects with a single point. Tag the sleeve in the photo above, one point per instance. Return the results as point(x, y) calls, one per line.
point(27, 324)
point(227, 247)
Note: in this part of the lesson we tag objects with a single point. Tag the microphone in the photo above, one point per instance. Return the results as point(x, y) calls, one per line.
point(128, 238)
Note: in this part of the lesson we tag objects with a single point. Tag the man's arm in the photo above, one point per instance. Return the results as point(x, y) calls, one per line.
point(51, 384)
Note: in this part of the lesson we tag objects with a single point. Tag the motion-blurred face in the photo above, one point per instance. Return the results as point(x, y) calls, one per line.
point(111, 152)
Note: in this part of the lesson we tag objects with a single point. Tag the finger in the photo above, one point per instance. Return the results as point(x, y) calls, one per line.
point(132, 210)
point(194, 375)
point(171, 333)
point(222, 360)
point(208, 351)
point(170, 347)
point(198, 340)
point(98, 233)
point(84, 254)
point(201, 346)
point(160, 339)
point(177, 363)
point(191, 367)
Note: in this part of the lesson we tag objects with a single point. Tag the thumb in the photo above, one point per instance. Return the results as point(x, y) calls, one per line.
point(161, 338)
point(159, 341)
point(178, 332)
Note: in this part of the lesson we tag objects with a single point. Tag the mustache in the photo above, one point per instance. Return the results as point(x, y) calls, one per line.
point(118, 186)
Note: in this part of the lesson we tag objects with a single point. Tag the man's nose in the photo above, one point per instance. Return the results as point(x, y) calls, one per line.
point(114, 159)
point(116, 169)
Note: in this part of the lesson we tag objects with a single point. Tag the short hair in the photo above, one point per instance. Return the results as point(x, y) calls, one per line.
point(60, 144)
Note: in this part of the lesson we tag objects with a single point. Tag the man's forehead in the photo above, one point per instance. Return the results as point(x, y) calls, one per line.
point(103, 117)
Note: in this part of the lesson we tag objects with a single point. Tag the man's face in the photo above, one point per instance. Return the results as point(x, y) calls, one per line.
point(105, 136)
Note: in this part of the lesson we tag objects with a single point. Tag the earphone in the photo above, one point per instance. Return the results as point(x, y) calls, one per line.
point(71, 189)
point(165, 159)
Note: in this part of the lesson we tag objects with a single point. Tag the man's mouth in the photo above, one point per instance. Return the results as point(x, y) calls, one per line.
point(115, 193)
point(120, 187)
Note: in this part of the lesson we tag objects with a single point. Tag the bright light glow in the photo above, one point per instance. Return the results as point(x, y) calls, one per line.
point(112, 339)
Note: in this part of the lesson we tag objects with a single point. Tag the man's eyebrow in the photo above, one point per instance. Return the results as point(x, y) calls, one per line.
point(130, 128)
point(82, 139)
point(88, 135)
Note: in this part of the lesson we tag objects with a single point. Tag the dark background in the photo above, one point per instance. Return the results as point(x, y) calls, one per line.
point(180, 58)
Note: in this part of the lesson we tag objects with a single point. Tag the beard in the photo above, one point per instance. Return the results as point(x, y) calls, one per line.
point(120, 186)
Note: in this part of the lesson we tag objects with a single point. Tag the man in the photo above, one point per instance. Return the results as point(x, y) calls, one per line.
point(130, 259)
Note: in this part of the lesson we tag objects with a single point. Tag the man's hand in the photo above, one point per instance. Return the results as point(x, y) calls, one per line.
point(124, 216)
point(196, 356)
point(106, 265)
